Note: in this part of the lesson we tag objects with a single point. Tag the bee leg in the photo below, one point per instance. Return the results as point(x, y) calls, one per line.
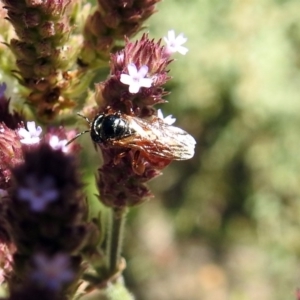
point(129, 107)
point(108, 110)
point(119, 156)
point(130, 110)
point(138, 164)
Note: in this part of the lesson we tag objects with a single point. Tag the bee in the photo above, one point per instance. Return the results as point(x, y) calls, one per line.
point(151, 139)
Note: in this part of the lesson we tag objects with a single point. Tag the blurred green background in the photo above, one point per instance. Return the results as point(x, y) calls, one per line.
point(226, 224)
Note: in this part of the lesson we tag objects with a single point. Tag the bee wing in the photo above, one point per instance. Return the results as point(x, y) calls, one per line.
point(160, 139)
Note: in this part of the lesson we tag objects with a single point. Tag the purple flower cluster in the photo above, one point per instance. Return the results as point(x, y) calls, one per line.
point(49, 246)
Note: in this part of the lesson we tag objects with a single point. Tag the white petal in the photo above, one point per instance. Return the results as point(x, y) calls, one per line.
point(30, 140)
point(23, 133)
point(142, 71)
point(180, 39)
point(56, 144)
point(31, 126)
point(64, 148)
point(182, 50)
point(35, 139)
point(134, 88)
point(53, 142)
point(169, 120)
point(160, 114)
point(38, 131)
point(126, 79)
point(146, 82)
point(171, 35)
point(132, 70)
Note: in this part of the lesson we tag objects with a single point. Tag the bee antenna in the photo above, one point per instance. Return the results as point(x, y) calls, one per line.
point(84, 117)
point(80, 133)
point(76, 136)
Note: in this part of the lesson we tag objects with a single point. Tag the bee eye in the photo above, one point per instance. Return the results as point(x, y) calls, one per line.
point(96, 129)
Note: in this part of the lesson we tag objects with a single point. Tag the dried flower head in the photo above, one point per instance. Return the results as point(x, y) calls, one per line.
point(110, 23)
point(45, 52)
point(11, 154)
point(119, 185)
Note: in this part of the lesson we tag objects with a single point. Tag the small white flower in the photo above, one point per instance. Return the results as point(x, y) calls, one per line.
point(56, 144)
point(136, 78)
point(38, 192)
point(168, 119)
point(174, 44)
point(52, 272)
point(30, 136)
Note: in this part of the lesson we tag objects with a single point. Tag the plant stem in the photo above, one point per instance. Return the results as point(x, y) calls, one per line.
point(115, 238)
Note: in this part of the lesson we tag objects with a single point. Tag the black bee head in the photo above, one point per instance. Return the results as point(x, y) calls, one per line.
point(109, 127)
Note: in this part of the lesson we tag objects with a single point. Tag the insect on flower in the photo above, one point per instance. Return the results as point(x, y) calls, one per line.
point(151, 139)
